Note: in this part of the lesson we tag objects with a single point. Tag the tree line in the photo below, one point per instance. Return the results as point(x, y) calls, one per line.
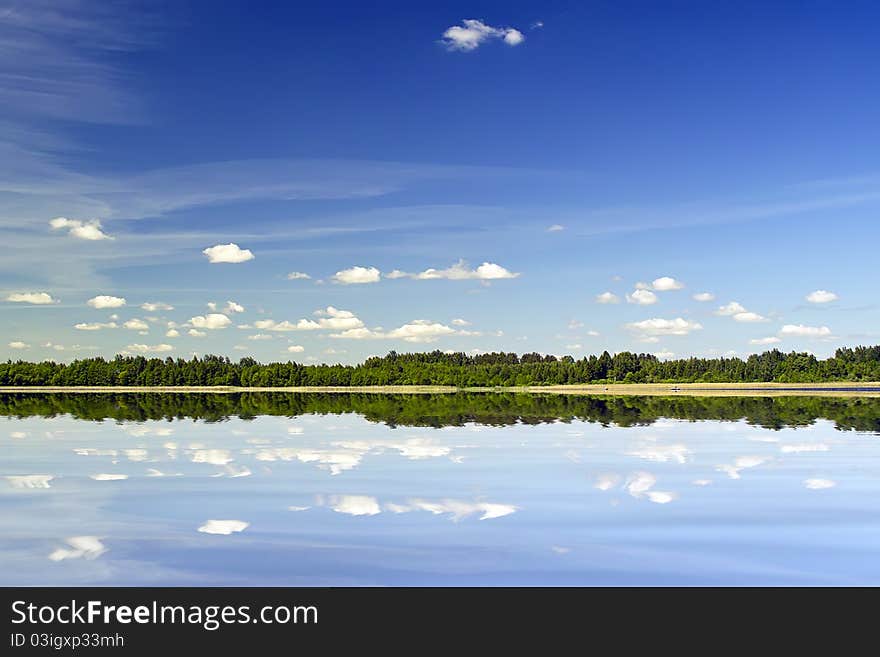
point(450, 369)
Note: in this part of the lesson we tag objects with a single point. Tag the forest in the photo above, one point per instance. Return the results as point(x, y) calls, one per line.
point(450, 369)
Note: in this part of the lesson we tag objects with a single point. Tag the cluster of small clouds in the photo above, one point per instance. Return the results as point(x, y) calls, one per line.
point(472, 33)
point(488, 271)
point(366, 505)
point(418, 331)
point(350, 327)
point(644, 293)
point(738, 313)
point(795, 331)
point(639, 484)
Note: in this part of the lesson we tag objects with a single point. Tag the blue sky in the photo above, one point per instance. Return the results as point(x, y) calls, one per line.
point(471, 176)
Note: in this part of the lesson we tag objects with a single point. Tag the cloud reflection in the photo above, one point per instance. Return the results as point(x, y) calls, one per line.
point(30, 481)
point(81, 547)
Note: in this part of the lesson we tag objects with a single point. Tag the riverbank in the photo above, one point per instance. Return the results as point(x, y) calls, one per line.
point(848, 389)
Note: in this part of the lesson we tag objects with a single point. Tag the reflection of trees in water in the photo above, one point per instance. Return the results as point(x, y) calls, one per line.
point(438, 410)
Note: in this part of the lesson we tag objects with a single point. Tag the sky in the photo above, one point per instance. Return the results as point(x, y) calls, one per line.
point(326, 183)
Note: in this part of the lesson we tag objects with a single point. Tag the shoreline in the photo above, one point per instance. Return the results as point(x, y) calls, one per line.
point(836, 389)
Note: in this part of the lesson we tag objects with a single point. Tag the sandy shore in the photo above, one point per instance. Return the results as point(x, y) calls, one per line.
point(694, 389)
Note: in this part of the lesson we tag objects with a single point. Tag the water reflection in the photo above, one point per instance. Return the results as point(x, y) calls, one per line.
point(439, 410)
point(394, 490)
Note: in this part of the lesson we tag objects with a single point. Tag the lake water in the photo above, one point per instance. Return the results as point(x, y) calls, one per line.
point(468, 489)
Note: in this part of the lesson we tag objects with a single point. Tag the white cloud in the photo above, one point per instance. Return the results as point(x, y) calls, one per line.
point(555, 228)
point(417, 331)
point(18, 344)
point(665, 354)
point(36, 298)
point(666, 283)
point(104, 301)
point(153, 306)
point(81, 547)
point(457, 509)
point(730, 309)
point(296, 349)
point(762, 341)
point(704, 296)
point(297, 276)
point(652, 328)
point(748, 317)
point(329, 318)
point(642, 297)
point(212, 456)
point(488, 271)
point(259, 336)
point(272, 325)
point(355, 505)
point(607, 297)
point(223, 527)
point(232, 307)
point(94, 326)
point(660, 496)
point(678, 452)
point(149, 349)
point(136, 325)
point(741, 463)
point(513, 37)
point(800, 448)
point(801, 331)
point(172, 333)
point(639, 483)
point(607, 481)
point(335, 318)
point(460, 322)
point(74, 347)
point(821, 296)
point(195, 333)
point(421, 330)
point(336, 461)
point(84, 230)
point(357, 276)
point(29, 481)
point(211, 321)
point(103, 476)
point(415, 449)
point(819, 484)
point(230, 253)
point(472, 33)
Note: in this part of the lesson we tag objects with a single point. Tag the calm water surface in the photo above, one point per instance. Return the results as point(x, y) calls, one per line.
point(281, 489)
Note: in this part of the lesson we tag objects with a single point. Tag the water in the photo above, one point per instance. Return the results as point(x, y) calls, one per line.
point(492, 489)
